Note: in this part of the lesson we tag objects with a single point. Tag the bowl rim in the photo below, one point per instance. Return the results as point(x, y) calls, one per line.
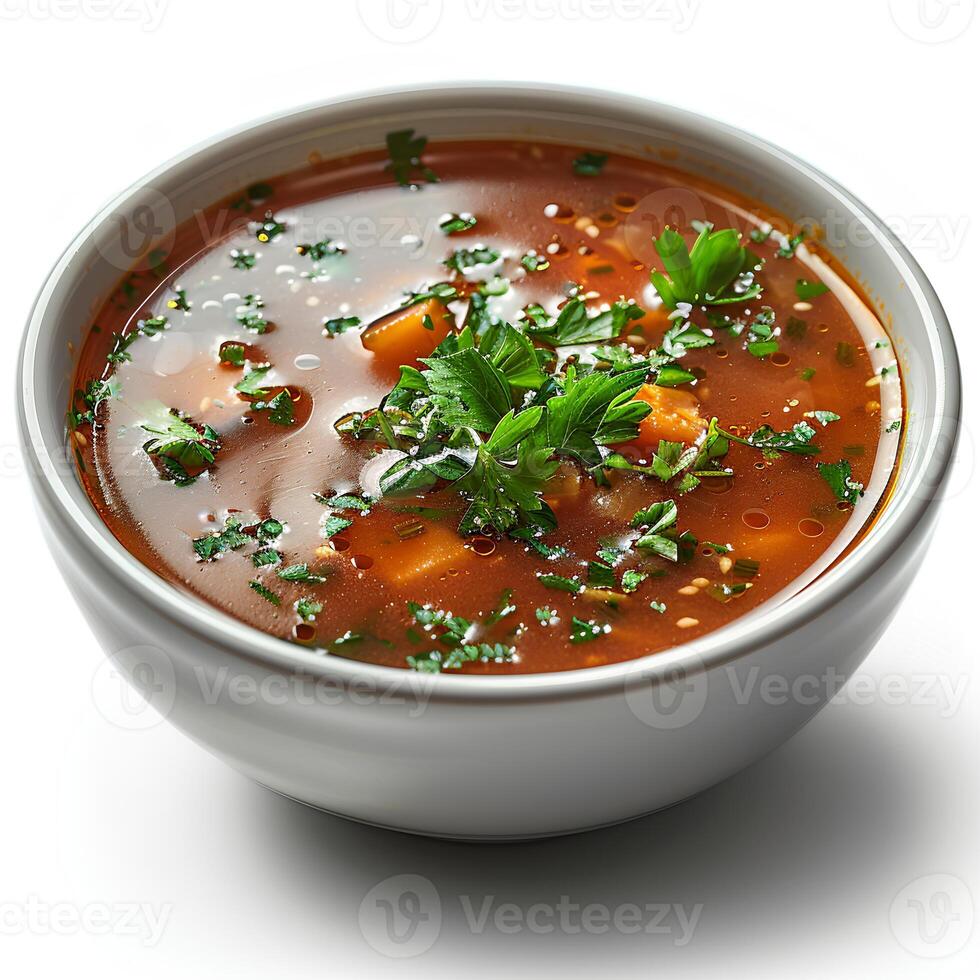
point(899, 517)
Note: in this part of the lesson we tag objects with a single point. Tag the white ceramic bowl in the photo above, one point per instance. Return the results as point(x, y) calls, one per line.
point(487, 757)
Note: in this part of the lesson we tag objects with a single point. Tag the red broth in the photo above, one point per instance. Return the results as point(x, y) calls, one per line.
point(292, 275)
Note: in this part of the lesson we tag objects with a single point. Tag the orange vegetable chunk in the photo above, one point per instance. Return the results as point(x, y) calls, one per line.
point(674, 417)
point(405, 335)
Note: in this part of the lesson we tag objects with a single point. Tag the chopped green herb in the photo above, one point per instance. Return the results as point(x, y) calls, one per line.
point(181, 443)
point(334, 525)
point(795, 328)
point(340, 324)
point(718, 269)
point(805, 290)
point(583, 632)
point(346, 501)
point(251, 383)
point(573, 325)
point(248, 314)
point(745, 568)
point(535, 263)
point(269, 529)
point(280, 408)
point(601, 576)
point(300, 573)
point(504, 608)
point(267, 556)
point(216, 543)
point(560, 582)
point(824, 418)
point(405, 150)
point(838, 477)
point(180, 301)
point(242, 258)
point(723, 592)
point(232, 353)
point(718, 549)
point(318, 251)
point(308, 609)
point(453, 224)
point(266, 594)
point(589, 164)
point(464, 259)
point(269, 229)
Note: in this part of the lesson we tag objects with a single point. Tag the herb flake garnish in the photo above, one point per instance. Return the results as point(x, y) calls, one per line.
point(405, 151)
point(838, 477)
point(717, 270)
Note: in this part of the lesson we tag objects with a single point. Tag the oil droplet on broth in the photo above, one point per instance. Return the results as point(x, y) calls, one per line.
point(307, 362)
point(755, 519)
point(810, 528)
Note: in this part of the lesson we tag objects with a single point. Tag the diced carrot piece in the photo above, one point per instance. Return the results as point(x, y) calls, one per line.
point(402, 562)
point(564, 486)
point(674, 417)
point(406, 335)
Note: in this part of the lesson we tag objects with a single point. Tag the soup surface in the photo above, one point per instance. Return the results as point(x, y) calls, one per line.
point(487, 407)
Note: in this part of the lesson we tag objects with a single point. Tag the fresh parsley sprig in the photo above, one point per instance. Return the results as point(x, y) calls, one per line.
point(717, 270)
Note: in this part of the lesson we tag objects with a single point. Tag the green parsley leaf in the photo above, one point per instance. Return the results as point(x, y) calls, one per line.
point(179, 441)
point(479, 390)
point(838, 477)
point(589, 164)
point(824, 418)
point(593, 411)
point(318, 251)
point(464, 259)
point(560, 582)
point(453, 224)
point(405, 150)
point(232, 353)
point(583, 632)
point(601, 576)
point(242, 258)
point(215, 543)
point(340, 324)
point(300, 573)
point(251, 382)
point(573, 325)
point(333, 525)
point(308, 609)
point(717, 269)
point(266, 594)
point(806, 290)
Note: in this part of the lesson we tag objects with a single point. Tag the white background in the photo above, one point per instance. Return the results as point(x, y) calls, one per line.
point(798, 862)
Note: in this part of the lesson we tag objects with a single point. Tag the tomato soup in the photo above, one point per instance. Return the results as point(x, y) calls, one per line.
point(487, 407)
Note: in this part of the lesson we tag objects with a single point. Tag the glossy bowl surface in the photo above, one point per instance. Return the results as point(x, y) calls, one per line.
point(475, 756)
